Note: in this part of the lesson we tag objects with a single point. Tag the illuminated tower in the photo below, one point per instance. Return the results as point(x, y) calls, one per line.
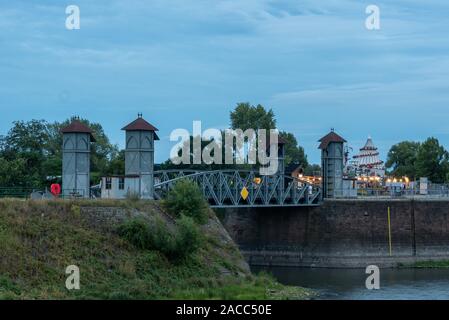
point(367, 162)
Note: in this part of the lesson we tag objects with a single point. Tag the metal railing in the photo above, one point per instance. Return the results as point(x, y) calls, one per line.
point(26, 193)
point(16, 192)
point(435, 191)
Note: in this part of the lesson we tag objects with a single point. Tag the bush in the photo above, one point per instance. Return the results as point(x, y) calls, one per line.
point(186, 199)
point(188, 236)
point(163, 239)
point(136, 232)
point(178, 244)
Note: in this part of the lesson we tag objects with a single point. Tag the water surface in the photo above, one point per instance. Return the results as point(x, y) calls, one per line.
point(349, 284)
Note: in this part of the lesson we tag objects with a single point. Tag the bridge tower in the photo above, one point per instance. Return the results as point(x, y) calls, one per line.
point(280, 155)
point(139, 154)
point(332, 164)
point(76, 147)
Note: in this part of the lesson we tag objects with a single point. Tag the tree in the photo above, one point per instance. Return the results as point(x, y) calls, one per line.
point(313, 170)
point(39, 145)
point(432, 161)
point(14, 173)
point(402, 158)
point(27, 143)
point(117, 164)
point(246, 116)
point(294, 153)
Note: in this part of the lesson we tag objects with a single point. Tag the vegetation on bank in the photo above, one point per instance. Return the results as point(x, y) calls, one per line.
point(429, 264)
point(124, 250)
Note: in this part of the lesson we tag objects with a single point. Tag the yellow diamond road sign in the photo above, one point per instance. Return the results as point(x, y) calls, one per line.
point(244, 193)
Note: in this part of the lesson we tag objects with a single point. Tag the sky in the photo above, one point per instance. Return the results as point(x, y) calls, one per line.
point(313, 62)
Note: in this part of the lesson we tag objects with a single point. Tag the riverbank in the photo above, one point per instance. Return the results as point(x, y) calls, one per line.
point(273, 258)
point(426, 264)
point(39, 239)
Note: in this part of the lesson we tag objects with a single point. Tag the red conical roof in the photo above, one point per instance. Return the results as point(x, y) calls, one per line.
point(77, 126)
point(330, 137)
point(140, 124)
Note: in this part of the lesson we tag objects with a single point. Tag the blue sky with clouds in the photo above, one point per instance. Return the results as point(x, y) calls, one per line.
point(313, 62)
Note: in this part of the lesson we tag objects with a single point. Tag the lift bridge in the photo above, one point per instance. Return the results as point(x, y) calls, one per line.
point(240, 188)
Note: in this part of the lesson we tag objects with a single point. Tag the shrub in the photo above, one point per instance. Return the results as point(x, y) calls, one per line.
point(178, 244)
point(187, 199)
point(136, 231)
point(163, 239)
point(188, 236)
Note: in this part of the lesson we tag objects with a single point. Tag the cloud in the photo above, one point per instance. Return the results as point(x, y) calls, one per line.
point(312, 61)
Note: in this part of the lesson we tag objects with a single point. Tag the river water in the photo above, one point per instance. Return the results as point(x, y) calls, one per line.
point(349, 284)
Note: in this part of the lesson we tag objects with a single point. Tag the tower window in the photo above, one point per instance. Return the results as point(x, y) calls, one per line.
point(108, 183)
point(121, 183)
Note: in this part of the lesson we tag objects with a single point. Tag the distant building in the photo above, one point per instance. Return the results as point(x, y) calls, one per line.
point(367, 161)
point(119, 187)
point(294, 170)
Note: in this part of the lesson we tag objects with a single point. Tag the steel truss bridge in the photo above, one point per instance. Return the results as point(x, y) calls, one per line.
point(239, 188)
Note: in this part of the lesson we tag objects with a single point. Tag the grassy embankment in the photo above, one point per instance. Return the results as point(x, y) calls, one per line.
point(39, 239)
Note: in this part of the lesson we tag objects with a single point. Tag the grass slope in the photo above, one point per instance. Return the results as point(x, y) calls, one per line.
point(39, 239)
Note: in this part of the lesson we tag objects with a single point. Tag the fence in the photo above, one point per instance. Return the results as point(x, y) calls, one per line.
point(23, 193)
point(35, 193)
point(433, 191)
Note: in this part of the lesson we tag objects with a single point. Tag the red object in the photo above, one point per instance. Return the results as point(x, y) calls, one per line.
point(55, 189)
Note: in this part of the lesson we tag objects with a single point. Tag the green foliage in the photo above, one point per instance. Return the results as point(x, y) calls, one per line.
point(37, 146)
point(175, 244)
point(188, 236)
point(401, 159)
point(117, 163)
point(432, 264)
point(294, 153)
point(14, 173)
point(39, 239)
point(413, 159)
point(313, 170)
point(137, 232)
point(25, 146)
point(432, 161)
point(246, 116)
point(187, 199)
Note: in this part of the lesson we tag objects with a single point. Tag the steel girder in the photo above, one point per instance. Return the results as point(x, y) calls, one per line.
point(222, 188)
